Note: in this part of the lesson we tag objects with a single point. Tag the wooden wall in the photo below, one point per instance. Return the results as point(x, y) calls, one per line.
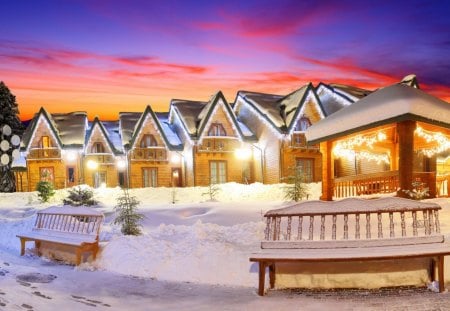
point(290, 155)
point(202, 170)
point(59, 171)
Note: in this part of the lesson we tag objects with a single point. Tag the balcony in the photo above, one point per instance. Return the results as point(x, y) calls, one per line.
point(222, 144)
point(100, 158)
point(44, 153)
point(149, 154)
point(298, 141)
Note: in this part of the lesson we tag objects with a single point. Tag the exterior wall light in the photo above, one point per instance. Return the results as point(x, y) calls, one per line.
point(92, 165)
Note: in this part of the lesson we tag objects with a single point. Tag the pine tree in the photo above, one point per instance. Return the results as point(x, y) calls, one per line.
point(128, 216)
point(79, 196)
point(8, 116)
point(296, 189)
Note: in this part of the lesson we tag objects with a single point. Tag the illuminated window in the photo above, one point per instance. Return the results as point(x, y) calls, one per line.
point(46, 174)
point(218, 172)
point(150, 177)
point(217, 129)
point(302, 124)
point(148, 140)
point(98, 148)
point(305, 167)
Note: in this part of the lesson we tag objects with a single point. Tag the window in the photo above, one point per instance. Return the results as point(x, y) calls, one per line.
point(218, 172)
point(45, 142)
point(148, 140)
point(121, 177)
point(70, 175)
point(99, 179)
point(98, 148)
point(150, 177)
point(306, 168)
point(46, 174)
point(302, 124)
point(217, 129)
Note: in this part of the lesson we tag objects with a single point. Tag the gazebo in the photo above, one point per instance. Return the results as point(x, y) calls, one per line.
point(396, 139)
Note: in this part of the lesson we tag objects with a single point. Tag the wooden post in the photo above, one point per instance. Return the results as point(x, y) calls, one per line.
point(405, 132)
point(272, 275)
point(327, 171)
point(262, 277)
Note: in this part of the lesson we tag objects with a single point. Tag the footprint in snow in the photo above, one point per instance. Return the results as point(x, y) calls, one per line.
point(35, 278)
point(39, 294)
point(89, 302)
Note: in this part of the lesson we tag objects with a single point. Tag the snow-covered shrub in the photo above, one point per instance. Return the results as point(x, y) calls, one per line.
point(128, 217)
point(212, 192)
point(45, 190)
point(79, 196)
point(419, 191)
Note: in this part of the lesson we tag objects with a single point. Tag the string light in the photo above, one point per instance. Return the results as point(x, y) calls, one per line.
point(346, 148)
point(442, 141)
point(335, 95)
point(309, 98)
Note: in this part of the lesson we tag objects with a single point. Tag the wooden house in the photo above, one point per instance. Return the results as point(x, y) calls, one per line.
point(395, 139)
point(52, 145)
point(217, 147)
point(153, 150)
point(279, 123)
point(104, 162)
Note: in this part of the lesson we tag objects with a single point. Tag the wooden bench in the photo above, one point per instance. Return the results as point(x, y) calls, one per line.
point(76, 227)
point(386, 228)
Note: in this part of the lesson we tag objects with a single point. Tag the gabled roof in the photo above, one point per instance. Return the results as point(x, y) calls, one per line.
point(194, 116)
point(110, 130)
point(69, 129)
point(168, 135)
point(128, 122)
point(281, 111)
point(351, 92)
point(330, 99)
point(391, 104)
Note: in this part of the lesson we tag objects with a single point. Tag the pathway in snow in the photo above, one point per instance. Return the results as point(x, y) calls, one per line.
point(31, 283)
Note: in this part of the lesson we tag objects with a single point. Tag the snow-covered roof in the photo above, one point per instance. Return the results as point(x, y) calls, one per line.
point(113, 131)
point(390, 104)
point(330, 99)
point(411, 80)
point(168, 131)
point(280, 111)
point(69, 128)
point(195, 115)
point(128, 122)
point(351, 92)
point(19, 162)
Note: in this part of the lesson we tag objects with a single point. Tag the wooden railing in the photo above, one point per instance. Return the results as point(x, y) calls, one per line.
point(149, 154)
point(101, 158)
point(298, 140)
point(350, 186)
point(44, 153)
point(218, 144)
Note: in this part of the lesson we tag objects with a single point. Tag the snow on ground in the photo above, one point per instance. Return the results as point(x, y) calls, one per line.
point(192, 241)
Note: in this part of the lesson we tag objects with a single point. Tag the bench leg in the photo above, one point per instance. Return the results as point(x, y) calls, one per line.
point(22, 247)
point(433, 269)
point(262, 277)
point(78, 256)
point(272, 275)
point(441, 273)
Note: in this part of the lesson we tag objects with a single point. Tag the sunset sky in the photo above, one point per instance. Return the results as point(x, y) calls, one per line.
point(109, 56)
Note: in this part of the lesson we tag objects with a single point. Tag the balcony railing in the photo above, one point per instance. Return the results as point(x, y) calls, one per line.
point(443, 185)
point(44, 153)
point(385, 182)
point(298, 140)
point(100, 158)
point(149, 154)
point(218, 145)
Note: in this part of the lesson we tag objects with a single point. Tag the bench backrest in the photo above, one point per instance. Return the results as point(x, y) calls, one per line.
point(353, 223)
point(76, 220)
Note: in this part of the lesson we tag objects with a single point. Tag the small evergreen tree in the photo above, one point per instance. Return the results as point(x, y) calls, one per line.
point(213, 190)
point(45, 190)
point(79, 196)
point(9, 112)
point(128, 217)
point(296, 189)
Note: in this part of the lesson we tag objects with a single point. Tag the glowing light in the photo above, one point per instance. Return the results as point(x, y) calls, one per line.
point(121, 164)
point(243, 153)
point(442, 141)
point(345, 149)
point(175, 158)
point(92, 165)
point(71, 156)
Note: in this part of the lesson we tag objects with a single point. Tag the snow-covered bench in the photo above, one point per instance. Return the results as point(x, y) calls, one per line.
point(76, 227)
point(352, 230)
